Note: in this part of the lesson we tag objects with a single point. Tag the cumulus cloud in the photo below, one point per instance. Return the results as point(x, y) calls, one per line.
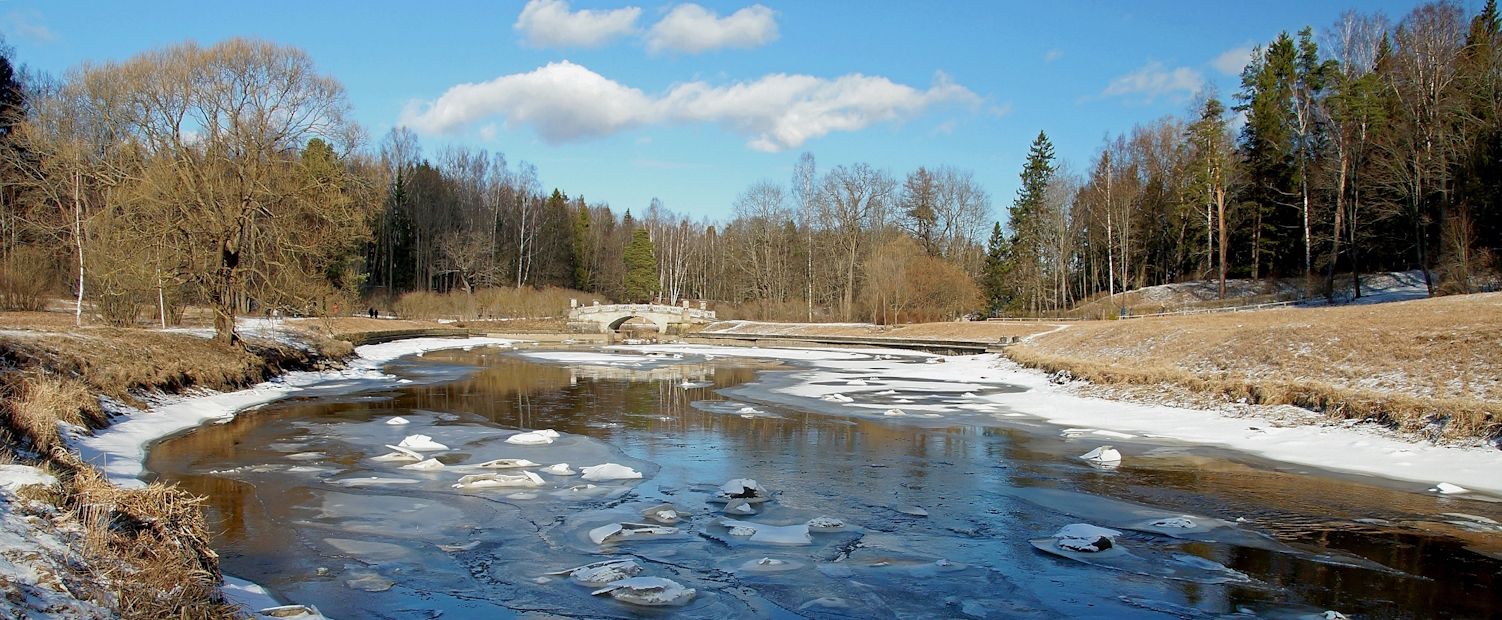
point(1232, 61)
point(564, 102)
point(1153, 80)
point(549, 23)
point(692, 29)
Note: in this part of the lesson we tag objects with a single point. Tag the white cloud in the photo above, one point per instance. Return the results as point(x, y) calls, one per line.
point(1233, 60)
point(549, 23)
point(693, 29)
point(1052, 55)
point(30, 25)
point(564, 102)
point(1153, 80)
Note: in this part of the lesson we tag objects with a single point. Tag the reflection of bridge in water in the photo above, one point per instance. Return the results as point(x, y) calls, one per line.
point(609, 318)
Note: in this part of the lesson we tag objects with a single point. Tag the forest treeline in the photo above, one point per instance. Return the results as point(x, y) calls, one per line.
point(231, 176)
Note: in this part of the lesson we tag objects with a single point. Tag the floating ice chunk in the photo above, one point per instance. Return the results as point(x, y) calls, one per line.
point(421, 443)
point(742, 530)
point(749, 410)
point(1449, 489)
point(825, 523)
point(1102, 455)
point(522, 496)
point(837, 398)
point(559, 469)
point(292, 612)
point(401, 454)
point(886, 393)
point(855, 382)
point(894, 413)
point(741, 488)
point(507, 464)
point(476, 481)
point(739, 507)
point(621, 531)
point(398, 421)
point(1085, 538)
point(1113, 434)
point(601, 573)
point(609, 471)
point(770, 534)
point(969, 394)
point(533, 438)
point(1173, 523)
point(428, 465)
point(464, 547)
point(912, 511)
point(648, 591)
point(769, 565)
point(665, 514)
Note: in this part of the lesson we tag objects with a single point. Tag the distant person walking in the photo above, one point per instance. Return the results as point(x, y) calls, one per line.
point(374, 314)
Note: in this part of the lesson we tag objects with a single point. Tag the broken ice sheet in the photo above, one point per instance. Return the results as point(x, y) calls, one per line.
point(421, 443)
point(648, 591)
point(769, 534)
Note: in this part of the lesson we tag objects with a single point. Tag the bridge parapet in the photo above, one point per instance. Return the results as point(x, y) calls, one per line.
point(609, 317)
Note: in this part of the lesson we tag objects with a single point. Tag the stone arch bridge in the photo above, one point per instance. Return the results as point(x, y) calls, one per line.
point(608, 318)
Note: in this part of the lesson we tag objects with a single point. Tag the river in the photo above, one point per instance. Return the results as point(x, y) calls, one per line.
point(944, 514)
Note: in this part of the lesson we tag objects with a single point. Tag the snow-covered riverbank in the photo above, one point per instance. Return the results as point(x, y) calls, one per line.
point(1347, 448)
point(120, 450)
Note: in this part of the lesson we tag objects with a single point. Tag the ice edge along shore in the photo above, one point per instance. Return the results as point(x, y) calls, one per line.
point(121, 449)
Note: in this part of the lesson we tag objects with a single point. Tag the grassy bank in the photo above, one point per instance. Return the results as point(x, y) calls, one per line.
point(144, 552)
point(1432, 366)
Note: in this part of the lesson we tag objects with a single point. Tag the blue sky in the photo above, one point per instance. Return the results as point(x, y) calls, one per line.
point(690, 103)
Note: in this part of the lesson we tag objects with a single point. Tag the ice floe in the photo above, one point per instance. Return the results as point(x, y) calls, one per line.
point(746, 489)
point(665, 514)
point(421, 443)
point(398, 420)
point(1104, 455)
point(558, 469)
point(1449, 489)
point(622, 531)
point(609, 471)
point(533, 438)
point(480, 481)
point(508, 464)
point(400, 454)
point(597, 574)
point(769, 534)
point(1085, 538)
point(428, 465)
point(648, 591)
point(837, 398)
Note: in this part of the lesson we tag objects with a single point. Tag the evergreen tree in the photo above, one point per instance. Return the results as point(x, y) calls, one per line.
point(641, 267)
point(994, 277)
point(1025, 252)
point(583, 256)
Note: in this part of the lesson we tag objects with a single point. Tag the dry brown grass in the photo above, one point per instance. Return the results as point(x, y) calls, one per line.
point(980, 331)
point(147, 550)
point(1433, 363)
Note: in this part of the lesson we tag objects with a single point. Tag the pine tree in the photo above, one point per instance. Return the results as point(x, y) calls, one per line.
point(641, 267)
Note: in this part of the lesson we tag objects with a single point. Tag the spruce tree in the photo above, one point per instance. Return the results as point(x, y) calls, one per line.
point(994, 279)
point(641, 267)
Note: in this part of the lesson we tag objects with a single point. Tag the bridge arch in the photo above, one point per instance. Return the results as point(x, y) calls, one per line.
point(609, 318)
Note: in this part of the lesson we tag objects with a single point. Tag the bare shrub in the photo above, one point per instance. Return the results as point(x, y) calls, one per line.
point(26, 274)
point(490, 303)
